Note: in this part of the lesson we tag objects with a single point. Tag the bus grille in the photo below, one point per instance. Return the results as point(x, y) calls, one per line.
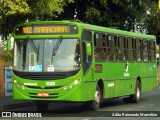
point(43, 77)
point(47, 87)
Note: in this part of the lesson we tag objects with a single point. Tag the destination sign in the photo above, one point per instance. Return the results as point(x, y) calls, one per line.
point(47, 29)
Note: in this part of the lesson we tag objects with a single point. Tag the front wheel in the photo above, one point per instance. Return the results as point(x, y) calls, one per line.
point(95, 104)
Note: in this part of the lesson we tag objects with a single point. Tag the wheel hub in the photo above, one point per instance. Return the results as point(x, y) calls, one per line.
point(97, 97)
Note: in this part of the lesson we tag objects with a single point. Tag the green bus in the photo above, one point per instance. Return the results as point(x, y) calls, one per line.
point(70, 61)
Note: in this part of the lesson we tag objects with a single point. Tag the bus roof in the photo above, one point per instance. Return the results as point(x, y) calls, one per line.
point(94, 28)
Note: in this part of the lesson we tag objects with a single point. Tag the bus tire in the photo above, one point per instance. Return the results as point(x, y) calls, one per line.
point(136, 97)
point(95, 104)
point(41, 105)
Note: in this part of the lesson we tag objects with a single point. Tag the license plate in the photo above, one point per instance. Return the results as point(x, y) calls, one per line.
point(43, 94)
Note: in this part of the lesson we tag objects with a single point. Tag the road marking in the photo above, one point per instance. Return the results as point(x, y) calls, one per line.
point(140, 107)
point(87, 119)
point(102, 116)
point(130, 109)
point(151, 104)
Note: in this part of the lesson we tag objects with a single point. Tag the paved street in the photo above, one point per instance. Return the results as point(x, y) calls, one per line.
point(150, 102)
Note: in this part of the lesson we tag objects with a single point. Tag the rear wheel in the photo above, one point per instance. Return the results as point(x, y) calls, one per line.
point(41, 105)
point(136, 97)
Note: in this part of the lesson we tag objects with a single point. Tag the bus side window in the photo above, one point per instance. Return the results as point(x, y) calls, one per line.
point(87, 59)
point(103, 48)
point(84, 53)
point(134, 48)
point(141, 50)
point(96, 50)
point(116, 47)
point(145, 50)
point(121, 52)
point(153, 51)
point(100, 46)
point(138, 50)
point(126, 48)
point(130, 49)
point(110, 48)
point(149, 50)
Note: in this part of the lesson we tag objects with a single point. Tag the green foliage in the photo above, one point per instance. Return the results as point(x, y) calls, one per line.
point(5, 59)
point(152, 20)
point(12, 7)
point(44, 9)
point(10, 12)
point(123, 14)
point(92, 14)
point(13, 12)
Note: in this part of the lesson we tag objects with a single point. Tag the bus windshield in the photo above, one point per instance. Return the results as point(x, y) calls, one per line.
point(47, 55)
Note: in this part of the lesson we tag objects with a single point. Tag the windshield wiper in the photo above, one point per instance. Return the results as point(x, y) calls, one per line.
point(56, 47)
point(36, 50)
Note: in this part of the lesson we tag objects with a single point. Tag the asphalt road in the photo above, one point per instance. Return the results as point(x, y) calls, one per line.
point(148, 107)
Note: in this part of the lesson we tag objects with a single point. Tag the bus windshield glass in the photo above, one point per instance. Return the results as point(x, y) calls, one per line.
point(47, 55)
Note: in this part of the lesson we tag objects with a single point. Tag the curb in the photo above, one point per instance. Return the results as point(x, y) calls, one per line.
point(16, 106)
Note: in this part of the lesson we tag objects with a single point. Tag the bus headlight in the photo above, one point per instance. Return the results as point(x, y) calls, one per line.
point(76, 82)
point(64, 88)
point(15, 81)
point(18, 85)
point(71, 85)
point(22, 87)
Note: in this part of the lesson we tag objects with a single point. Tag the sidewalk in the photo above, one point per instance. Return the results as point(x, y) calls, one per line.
point(7, 103)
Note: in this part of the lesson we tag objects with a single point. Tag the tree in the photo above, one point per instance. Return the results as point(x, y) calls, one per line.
point(12, 7)
point(88, 11)
point(13, 12)
point(130, 15)
point(124, 14)
point(9, 10)
point(112, 13)
point(152, 20)
point(46, 9)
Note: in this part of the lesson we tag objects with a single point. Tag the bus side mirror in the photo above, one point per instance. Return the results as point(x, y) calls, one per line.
point(88, 48)
point(87, 51)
